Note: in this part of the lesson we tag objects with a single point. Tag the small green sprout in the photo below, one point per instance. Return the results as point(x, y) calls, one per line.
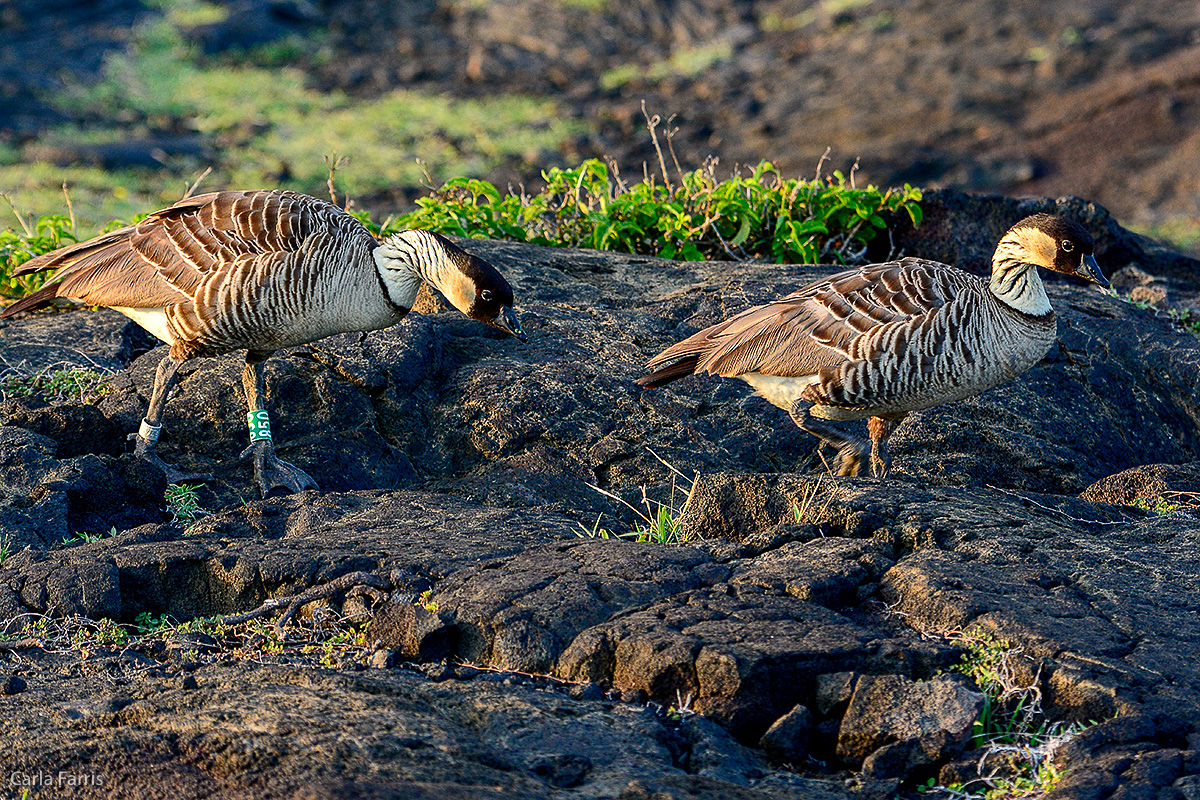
point(183, 503)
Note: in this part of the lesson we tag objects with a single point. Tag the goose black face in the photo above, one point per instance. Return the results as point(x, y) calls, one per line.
point(1073, 247)
point(493, 303)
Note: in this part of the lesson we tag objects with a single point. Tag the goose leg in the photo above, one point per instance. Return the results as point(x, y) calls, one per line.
point(851, 449)
point(146, 438)
point(270, 471)
point(880, 429)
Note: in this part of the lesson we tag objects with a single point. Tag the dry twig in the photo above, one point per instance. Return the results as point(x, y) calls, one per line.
point(293, 603)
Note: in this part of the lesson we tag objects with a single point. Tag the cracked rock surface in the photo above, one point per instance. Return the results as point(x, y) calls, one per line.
point(804, 618)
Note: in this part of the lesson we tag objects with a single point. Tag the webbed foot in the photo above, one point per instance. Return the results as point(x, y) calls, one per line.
point(852, 450)
point(850, 459)
point(880, 428)
point(272, 473)
point(880, 463)
point(144, 450)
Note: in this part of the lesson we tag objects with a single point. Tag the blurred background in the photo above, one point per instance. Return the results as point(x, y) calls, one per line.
point(130, 102)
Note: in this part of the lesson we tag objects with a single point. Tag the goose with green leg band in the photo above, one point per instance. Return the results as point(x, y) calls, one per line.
point(259, 271)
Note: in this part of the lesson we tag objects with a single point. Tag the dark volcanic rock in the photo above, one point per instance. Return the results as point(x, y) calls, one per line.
point(319, 734)
point(47, 500)
point(787, 738)
point(12, 684)
point(465, 465)
point(894, 725)
point(411, 631)
point(1148, 482)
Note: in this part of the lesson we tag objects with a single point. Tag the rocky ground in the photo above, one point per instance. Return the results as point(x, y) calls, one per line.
point(809, 621)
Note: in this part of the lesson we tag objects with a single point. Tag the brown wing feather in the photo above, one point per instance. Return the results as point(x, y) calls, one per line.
point(815, 327)
point(163, 259)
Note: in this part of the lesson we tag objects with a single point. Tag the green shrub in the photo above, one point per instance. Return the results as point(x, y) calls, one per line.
point(760, 215)
point(49, 233)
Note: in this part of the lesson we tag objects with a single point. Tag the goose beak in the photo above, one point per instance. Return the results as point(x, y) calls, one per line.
point(1088, 268)
point(507, 321)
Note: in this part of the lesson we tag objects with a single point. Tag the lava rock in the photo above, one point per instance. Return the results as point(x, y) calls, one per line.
point(894, 725)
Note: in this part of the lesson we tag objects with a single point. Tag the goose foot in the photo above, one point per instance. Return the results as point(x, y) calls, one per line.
point(272, 473)
point(850, 459)
point(880, 429)
point(145, 451)
point(880, 463)
point(852, 450)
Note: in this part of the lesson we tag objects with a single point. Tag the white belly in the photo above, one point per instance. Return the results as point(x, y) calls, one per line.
point(776, 390)
point(152, 319)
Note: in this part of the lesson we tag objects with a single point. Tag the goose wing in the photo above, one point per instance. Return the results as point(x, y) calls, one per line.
point(815, 327)
point(161, 260)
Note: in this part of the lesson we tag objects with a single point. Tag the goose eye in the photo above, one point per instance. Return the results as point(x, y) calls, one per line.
point(1067, 245)
point(486, 294)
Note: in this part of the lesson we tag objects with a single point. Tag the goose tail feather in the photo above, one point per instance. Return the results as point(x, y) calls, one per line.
point(672, 372)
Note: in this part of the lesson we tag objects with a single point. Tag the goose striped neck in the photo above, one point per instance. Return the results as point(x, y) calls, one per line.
point(1017, 284)
point(406, 259)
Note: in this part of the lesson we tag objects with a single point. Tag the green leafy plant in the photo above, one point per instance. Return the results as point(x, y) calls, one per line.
point(101, 632)
point(755, 215)
point(331, 650)
point(427, 602)
point(6, 549)
point(1186, 320)
point(147, 623)
point(1158, 506)
point(49, 232)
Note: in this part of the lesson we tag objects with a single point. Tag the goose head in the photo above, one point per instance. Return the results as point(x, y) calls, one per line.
point(469, 283)
point(1051, 242)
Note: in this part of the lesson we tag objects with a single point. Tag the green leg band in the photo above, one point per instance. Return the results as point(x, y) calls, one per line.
point(260, 425)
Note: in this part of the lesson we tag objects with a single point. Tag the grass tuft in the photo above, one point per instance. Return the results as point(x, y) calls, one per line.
point(67, 385)
point(87, 537)
point(328, 640)
point(660, 522)
point(183, 504)
point(1015, 740)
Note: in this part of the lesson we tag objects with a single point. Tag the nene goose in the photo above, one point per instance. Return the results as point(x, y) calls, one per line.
point(260, 270)
point(885, 339)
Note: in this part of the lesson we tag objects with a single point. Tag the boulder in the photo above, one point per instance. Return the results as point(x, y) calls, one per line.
point(894, 725)
point(787, 738)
